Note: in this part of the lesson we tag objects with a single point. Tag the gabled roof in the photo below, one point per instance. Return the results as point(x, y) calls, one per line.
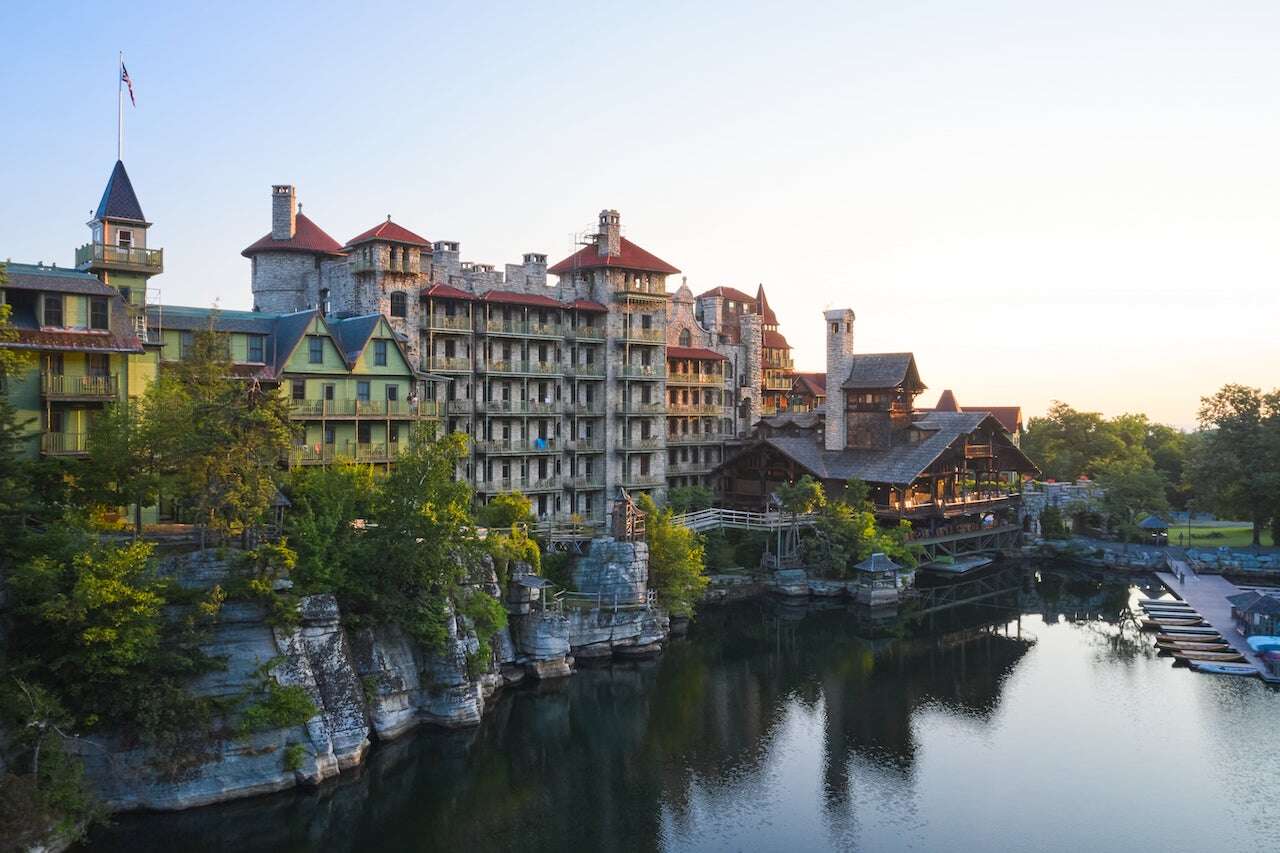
point(813, 383)
point(389, 232)
point(725, 292)
point(352, 334)
point(1010, 417)
point(282, 331)
point(695, 352)
point(444, 291)
point(877, 562)
point(873, 371)
point(763, 309)
point(119, 201)
point(307, 237)
point(631, 257)
point(1242, 600)
point(54, 280)
point(774, 339)
point(512, 297)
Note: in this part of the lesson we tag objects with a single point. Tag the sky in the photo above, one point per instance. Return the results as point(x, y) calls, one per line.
point(1043, 201)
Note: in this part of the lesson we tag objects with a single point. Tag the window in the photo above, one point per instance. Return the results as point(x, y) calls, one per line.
point(299, 389)
point(124, 239)
point(257, 348)
point(399, 304)
point(54, 364)
point(315, 349)
point(97, 364)
point(186, 340)
point(97, 312)
point(328, 391)
point(364, 432)
point(329, 435)
point(393, 393)
point(52, 309)
point(362, 391)
point(380, 353)
point(393, 433)
point(324, 300)
point(686, 339)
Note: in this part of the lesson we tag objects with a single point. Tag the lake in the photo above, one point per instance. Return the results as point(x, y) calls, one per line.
point(1044, 722)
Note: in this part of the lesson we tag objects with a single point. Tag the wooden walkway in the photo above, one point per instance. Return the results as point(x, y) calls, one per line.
point(1207, 595)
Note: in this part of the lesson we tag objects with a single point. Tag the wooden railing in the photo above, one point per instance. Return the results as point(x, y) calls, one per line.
point(677, 378)
point(695, 409)
point(61, 385)
point(92, 253)
point(364, 409)
point(64, 443)
point(716, 518)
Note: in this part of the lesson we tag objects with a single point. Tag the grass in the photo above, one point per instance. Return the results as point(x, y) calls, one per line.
point(1203, 536)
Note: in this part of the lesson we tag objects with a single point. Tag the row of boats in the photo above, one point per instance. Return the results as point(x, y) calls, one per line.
point(1183, 633)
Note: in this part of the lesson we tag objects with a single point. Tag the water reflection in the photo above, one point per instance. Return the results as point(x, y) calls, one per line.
point(767, 714)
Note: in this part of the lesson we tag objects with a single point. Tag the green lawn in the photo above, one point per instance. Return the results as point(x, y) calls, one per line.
point(1213, 537)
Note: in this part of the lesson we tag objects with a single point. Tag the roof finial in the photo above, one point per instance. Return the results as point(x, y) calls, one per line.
point(388, 217)
point(299, 207)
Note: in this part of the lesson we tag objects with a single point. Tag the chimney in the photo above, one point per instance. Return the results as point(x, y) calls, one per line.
point(609, 238)
point(284, 223)
point(839, 363)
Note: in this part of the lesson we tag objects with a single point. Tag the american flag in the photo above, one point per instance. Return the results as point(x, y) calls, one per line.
point(124, 78)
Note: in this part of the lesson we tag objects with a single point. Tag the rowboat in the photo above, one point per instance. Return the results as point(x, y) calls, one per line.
point(1189, 638)
point(1215, 656)
point(1160, 624)
point(1192, 647)
point(1153, 609)
point(1245, 669)
point(1162, 602)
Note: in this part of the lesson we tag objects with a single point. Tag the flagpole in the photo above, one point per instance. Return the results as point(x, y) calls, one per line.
point(120, 107)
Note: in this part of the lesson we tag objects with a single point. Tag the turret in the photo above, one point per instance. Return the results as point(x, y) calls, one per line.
point(609, 238)
point(117, 251)
point(839, 362)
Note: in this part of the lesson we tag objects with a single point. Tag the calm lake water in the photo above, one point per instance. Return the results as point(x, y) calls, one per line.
point(793, 729)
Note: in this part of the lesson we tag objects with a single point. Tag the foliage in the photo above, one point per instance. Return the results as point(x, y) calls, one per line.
point(1052, 524)
point(326, 501)
point(419, 545)
point(805, 495)
point(508, 548)
point(676, 560)
point(1235, 470)
point(690, 498)
point(120, 470)
point(216, 439)
point(280, 707)
point(505, 511)
point(1132, 486)
point(264, 577)
point(845, 534)
point(13, 362)
point(487, 616)
point(294, 754)
point(556, 567)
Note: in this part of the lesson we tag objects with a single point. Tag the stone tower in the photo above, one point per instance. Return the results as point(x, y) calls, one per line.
point(297, 265)
point(388, 267)
point(839, 363)
point(609, 238)
point(117, 251)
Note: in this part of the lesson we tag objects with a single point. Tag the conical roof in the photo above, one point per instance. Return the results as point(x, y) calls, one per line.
point(763, 309)
point(947, 402)
point(119, 200)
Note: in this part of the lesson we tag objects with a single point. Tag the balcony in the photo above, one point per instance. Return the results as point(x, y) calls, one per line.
point(585, 371)
point(589, 410)
point(516, 445)
point(585, 481)
point(979, 451)
point(56, 386)
point(644, 336)
point(460, 407)
point(677, 378)
point(586, 445)
point(520, 484)
point(333, 409)
point(445, 323)
point(652, 442)
point(645, 480)
point(695, 409)
point(702, 466)
point(539, 368)
point(777, 383)
point(586, 333)
point(645, 408)
point(641, 371)
point(635, 291)
point(546, 330)
point(64, 443)
point(698, 438)
point(447, 364)
point(520, 407)
point(119, 258)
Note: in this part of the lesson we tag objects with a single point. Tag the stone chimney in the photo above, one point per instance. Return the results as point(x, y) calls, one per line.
point(284, 212)
point(839, 363)
point(609, 238)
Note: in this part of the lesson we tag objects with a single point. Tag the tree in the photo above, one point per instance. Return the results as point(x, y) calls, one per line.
point(320, 525)
point(846, 532)
point(1132, 486)
point(506, 510)
point(1067, 444)
point(217, 439)
point(121, 465)
point(690, 498)
point(1235, 469)
point(803, 496)
point(676, 564)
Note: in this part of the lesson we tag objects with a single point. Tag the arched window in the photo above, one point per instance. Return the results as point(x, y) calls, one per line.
point(686, 339)
point(399, 304)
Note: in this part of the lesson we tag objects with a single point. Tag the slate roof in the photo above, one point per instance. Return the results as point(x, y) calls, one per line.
point(947, 402)
point(803, 420)
point(813, 383)
point(1010, 417)
point(389, 232)
point(631, 257)
point(695, 352)
point(1266, 604)
point(1242, 600)
point(352, 334)
point(54, 280)
point(444, 291)
point(871, 371)
point(900, 464)
point(1153, 522)
point(726, 292)
point(307, 237)
point(119, 201)
point(877, 562)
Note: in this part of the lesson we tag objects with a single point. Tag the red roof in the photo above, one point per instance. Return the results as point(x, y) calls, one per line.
point(588, 305)
point(1010, 417)
point(75, 341)
point(946, 402)
point(390, 232)
point(762, 307)
point(814, 383)
point(511, 297)
point(444, 291)
point(728, 293)
point(307, 237)
point(694, 352)
point(632, 257)
point(775, 340)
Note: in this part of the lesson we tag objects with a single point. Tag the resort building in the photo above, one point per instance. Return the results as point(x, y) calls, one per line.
point(1010, 417)
point(808, 392)
point(946, 473)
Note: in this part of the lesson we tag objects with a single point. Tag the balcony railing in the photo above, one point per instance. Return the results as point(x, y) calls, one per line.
point(644, 408)
point(589, 410)
point(520, 407)
point(641, 371)
point(645, 336)
point(543, 368)
point(652, 442)
point(445, 323)
point(120, 257)
point(701, 466)
point(64, 443)
point(677, 378)
point(586, 481)
point(364, 409)
point(777, 383)
point(649, 479)
point(698, 438)
point(460, 407)
point(586, 445)
point(61, 386)
point(585, 370)
point(634, 290)
point(546, 330)
point(695, 409)
point(450, 363)
point(588, 332)
point(511, 484)
point(979, 451)
point(516, 445)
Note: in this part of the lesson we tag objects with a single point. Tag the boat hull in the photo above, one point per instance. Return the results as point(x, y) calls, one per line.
point(1242, 669)
point(1225, 657)
point(1193, 647)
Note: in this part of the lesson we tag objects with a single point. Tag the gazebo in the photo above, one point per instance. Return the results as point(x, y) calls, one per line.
point(1157, 527)
point(878, 581)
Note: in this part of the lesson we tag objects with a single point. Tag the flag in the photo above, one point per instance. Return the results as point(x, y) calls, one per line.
point(124, 78)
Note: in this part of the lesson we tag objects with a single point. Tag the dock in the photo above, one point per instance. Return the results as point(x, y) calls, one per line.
point(1207, 595)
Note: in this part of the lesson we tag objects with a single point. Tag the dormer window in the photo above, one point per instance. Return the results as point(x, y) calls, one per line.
point(124, 238)
point(52, 309)
point(98, 312)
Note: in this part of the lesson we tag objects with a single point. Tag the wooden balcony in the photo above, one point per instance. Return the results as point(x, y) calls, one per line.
point(64, 443)
point(447, 364)
point(698, 438)
point(653, 442)
point(633, 291)
point(695, 409)
point(643, 480)
point(126, 259)
point(517, 445)
point(777, 383)
point(56, 386)
point(677, 378)
point(585, 371)
point(586, 333)
point(376, 409)
point(688, 466)
point(641, 371)
point(658, 408)
point(979, 451)
point(644, 336)
point(536, 368)
point(445, 323)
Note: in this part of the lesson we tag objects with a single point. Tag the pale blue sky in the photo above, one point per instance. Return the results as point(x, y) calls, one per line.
point(1073, 201)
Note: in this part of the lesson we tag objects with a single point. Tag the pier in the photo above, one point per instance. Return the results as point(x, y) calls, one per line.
point(1207, 595)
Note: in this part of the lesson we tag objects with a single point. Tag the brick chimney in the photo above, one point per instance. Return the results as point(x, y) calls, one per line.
point(839, 363)
point(609, 238)
point(284, 212)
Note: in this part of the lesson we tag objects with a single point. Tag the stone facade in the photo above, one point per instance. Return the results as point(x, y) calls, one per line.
point(839, 323)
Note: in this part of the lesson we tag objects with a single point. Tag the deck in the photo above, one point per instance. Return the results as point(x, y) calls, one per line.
point(1207, 595)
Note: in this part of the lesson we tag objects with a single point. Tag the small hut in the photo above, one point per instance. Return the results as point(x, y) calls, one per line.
point(1158, 529)
point(878, 582)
